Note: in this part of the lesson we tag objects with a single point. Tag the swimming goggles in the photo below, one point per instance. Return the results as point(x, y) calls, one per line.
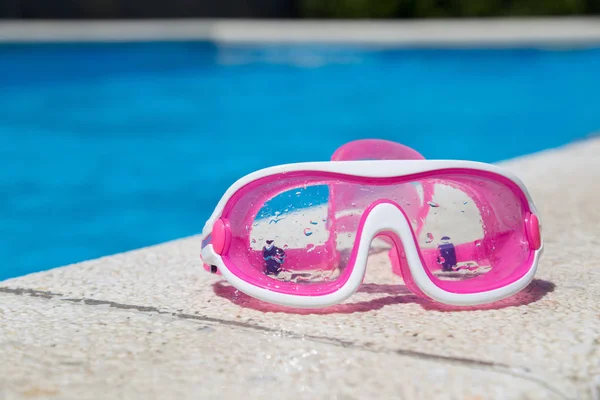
point(457, 232)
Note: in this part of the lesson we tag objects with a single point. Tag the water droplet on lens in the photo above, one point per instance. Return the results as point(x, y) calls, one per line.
point(313, 222)
point(308, 231)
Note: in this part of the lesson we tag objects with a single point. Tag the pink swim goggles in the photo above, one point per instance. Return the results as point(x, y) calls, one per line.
point(299, 235)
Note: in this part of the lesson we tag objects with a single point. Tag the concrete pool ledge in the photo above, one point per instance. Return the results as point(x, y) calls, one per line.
point(511, 32)
point(152, 324)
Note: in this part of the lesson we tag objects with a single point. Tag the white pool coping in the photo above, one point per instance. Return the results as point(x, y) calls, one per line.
point(464, 32)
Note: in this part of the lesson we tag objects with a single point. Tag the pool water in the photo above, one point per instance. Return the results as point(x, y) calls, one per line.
point(110, 147)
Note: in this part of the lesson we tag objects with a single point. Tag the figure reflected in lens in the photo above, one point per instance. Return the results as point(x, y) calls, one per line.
point(447, 255)
point(274, 258)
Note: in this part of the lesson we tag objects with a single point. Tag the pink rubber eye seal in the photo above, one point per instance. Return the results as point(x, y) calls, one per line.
point(220, 237)
point(533, 232)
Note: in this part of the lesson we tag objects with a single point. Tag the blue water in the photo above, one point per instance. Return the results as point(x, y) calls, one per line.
point(110, 147)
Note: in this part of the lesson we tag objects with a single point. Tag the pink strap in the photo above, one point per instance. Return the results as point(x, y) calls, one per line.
point(375, 149)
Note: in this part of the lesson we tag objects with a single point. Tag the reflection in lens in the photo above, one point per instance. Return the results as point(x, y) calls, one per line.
point(296, 250)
